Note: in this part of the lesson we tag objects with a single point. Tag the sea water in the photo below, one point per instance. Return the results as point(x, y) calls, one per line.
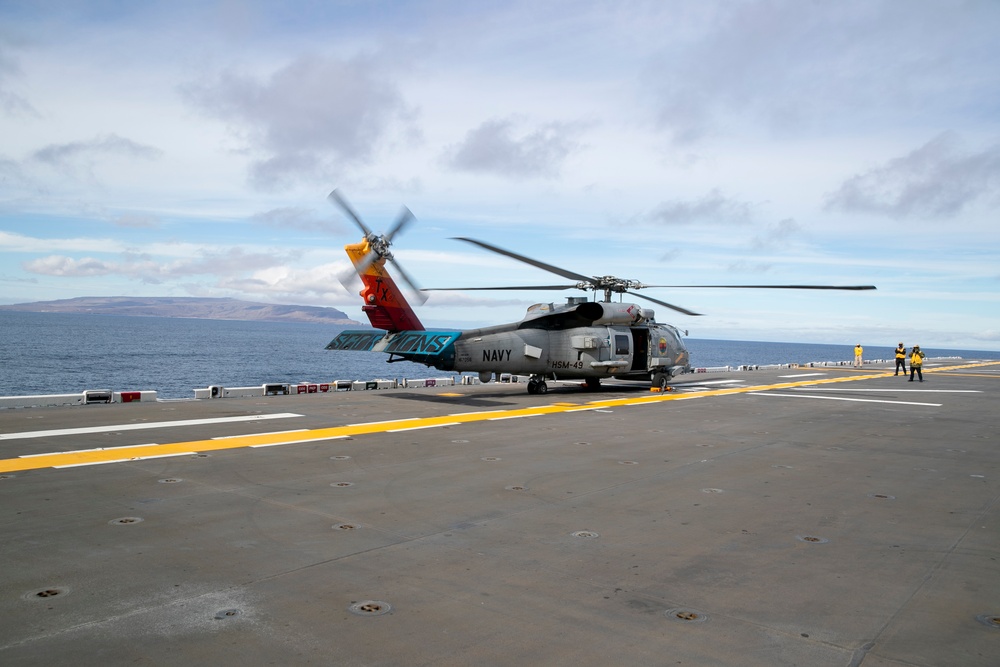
point(55, 353)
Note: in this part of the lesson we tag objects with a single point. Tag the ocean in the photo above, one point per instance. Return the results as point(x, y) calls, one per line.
point(54, 353)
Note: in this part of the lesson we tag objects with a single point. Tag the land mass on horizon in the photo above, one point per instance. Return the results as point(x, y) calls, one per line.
point(187, 307)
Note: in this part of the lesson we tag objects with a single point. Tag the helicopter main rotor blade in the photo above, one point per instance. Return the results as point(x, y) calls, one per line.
point(511, 287)
point(664, 303)
point(338, 199)
point(527, 260)
point(839, 287)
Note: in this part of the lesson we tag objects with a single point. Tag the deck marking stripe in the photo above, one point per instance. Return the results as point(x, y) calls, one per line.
point(801, 375)
point(95, 449)
point(178, 448)
point(297, 442)
point(842, 398)
point(141, 426)
point(294, 430)
point(891, 389)
point(138, 458)
point(417, 428)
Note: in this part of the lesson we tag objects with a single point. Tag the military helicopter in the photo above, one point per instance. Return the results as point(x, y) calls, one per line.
point(578, 340)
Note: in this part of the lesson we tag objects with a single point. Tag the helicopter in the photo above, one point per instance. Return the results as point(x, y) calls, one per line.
point(582, 339)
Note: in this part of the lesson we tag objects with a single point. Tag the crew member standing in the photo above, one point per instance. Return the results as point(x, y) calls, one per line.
point(858, 351)
point(901, 359)
point(916, 363)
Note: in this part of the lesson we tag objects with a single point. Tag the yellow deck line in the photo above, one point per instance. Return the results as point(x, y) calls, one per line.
point(140, 452)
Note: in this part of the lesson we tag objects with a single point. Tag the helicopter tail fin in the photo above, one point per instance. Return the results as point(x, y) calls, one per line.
point(385, 305)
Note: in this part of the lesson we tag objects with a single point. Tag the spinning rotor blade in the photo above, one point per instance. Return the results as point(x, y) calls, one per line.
point(512, 287)
point(404, 218)
point(409, 281)
point(337, 199)
point(840, 287)
point(379, 246)
point(351, 277)
point(527, 260)
point(663, 303)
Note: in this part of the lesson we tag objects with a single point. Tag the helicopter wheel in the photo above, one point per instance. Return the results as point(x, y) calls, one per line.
point(542, 388)
point(532, 387)
point(660, 381)
point(593, 384)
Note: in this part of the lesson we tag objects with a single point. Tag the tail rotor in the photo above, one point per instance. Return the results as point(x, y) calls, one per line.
point(378, 244)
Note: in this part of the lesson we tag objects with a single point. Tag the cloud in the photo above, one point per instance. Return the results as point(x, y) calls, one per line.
point(111, 144)
point(493, 148)
point(303, 219)
point(146, 269)
point(59, 265)
point(80, 158)
point(12, 104)
point(14, 242)
point(713, 208)
point(789, 65)
point(743, 266)
point(777, 234)
point(315, 115)
point(937, 180)
point(136, 221)
point(316, 283)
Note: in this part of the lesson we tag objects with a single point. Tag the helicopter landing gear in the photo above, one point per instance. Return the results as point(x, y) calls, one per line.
point(537, 386)
point(593, 384)
point(660, 381)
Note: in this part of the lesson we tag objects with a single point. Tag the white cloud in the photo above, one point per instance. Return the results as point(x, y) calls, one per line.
point(493, 148)
point(794, 66)
point(714, 208)
point(59, 155)
point(939, 180)
point(12, 104)
point(147, 269)
point(311, 118)
point(301, 218)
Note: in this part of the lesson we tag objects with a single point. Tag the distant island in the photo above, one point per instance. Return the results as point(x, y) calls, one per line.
point(187, 307)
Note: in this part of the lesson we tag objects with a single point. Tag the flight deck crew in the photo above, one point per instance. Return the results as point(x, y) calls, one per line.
point(858, 351)
point(901, 359)
point(917, 363)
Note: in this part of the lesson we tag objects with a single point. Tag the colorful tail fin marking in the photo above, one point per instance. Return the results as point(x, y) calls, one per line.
point(385, 304)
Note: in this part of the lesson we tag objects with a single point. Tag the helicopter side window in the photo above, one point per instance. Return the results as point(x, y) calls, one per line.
point(621, 344)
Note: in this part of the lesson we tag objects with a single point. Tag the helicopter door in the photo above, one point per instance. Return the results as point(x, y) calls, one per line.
point(640, 337)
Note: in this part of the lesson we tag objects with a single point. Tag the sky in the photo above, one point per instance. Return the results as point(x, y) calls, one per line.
point(187, 149)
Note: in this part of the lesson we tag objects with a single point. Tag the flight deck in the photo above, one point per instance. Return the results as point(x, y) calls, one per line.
point(805, 516)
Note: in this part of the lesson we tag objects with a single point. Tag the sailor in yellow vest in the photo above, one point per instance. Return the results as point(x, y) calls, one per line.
point(917, 363)
point(901, 359)
point(858, 351)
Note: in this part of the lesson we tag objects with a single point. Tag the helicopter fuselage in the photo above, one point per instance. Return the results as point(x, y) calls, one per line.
point(581, 340)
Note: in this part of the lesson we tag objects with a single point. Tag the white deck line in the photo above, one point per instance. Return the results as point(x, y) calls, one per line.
point(132, 426)
point(841, 398)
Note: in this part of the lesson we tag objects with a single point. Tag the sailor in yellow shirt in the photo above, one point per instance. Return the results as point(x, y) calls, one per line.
point(901, 359)
point(917, 363)
point(858, 351)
